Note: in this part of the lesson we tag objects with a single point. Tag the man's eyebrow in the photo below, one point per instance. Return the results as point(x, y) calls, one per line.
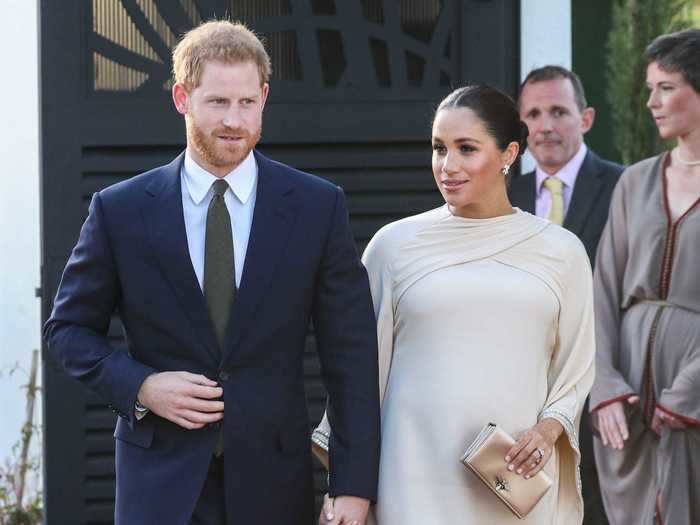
point(218, 95)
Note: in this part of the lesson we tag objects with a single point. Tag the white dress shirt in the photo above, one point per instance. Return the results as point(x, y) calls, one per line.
point(568, 174)
point(240, 202)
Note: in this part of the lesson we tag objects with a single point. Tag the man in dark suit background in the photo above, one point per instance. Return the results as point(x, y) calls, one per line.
point(568, 175)
point(216, 263)
point(572, 187)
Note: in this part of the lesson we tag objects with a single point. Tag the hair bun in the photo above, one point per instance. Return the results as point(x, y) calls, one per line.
point(524, 133)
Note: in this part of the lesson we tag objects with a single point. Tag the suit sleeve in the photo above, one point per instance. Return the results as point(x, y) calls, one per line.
point(76, 332)
point(346, 334)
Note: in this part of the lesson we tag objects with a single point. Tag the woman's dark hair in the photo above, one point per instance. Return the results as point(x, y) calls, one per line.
point(495, 109)
point(677, 53)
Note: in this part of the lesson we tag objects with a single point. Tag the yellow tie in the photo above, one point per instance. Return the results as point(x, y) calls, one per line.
point(556, 211)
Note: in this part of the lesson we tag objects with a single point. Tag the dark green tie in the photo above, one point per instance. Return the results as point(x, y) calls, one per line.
point(219, 273)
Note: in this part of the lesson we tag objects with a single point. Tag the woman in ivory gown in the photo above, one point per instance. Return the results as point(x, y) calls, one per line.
point(484, 315)
point(646, 396)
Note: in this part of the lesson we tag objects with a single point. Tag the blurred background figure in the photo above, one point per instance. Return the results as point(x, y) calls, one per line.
point(571, 185)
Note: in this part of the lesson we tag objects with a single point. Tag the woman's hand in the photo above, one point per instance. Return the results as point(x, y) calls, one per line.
point(661, 418)
point(612, 423)
point(533, 448)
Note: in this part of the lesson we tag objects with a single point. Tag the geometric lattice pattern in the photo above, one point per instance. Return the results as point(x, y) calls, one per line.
point(354, 45)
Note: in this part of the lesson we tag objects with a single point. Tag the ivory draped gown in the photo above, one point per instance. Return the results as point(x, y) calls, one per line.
point(479, 320)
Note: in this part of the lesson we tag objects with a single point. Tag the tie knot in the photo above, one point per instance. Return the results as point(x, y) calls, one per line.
point(220, 186)
point(553, 184)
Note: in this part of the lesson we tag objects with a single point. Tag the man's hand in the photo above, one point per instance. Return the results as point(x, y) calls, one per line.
point(612, 423)
point(181, 397)
point(344, 510)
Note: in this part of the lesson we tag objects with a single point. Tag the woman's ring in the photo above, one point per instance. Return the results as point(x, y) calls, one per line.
point(541, 453)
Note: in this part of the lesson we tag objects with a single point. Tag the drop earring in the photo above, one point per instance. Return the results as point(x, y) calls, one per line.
point(505, 170)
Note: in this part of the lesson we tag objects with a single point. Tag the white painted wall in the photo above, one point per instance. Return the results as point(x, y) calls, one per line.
point(19, 211)
point(545, 38)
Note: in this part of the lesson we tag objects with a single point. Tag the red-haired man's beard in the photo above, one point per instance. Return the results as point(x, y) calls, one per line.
point(224, 147)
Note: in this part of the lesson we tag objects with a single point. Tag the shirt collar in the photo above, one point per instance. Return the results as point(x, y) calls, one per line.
point(568, 172)
point(241, 179)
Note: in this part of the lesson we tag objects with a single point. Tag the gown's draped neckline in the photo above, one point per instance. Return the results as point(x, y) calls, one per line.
point(451, 240)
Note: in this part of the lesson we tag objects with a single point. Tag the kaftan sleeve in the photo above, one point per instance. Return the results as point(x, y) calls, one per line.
point(570, 377)
point(377, 259)
point(682, 399)
point(611, 260)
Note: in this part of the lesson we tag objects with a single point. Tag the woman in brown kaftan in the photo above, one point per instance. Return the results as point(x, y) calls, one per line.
point(646, 396)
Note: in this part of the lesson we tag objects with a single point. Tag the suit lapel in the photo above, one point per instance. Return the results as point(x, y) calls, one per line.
point(273, 219)
point(585, 194)
point(164, 219)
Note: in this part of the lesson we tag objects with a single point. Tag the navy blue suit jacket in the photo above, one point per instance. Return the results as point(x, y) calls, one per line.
point(301, 265)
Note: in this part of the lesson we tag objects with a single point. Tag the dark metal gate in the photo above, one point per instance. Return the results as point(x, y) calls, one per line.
point(354, 86)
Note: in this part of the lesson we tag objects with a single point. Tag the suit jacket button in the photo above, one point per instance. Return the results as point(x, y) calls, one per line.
point(224, 375)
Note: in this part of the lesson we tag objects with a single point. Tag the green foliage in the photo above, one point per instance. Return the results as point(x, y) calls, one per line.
point(31, 514)
point(635, 23)
point(13, 482)
point(20, 500)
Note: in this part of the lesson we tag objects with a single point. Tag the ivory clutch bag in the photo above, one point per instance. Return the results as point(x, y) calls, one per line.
point(485, 457)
